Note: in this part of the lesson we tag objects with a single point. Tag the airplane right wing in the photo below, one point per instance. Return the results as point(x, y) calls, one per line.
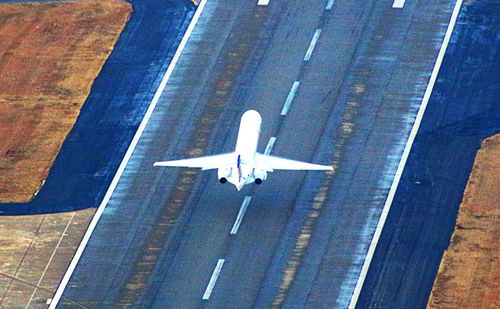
point(205, 163)
point(270, 163)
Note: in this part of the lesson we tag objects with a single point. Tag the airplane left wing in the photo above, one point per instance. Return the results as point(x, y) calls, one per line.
point(270, 163)
point(205, 163)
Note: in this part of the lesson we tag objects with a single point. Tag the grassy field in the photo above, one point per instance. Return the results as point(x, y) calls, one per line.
point(50, 54)
point(469, 274)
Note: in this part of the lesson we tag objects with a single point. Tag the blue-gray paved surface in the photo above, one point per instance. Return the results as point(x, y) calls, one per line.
point(111, 114)
point(164, 229)
point(463, 110)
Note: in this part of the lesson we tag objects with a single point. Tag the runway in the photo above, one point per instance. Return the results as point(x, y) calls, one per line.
point(337, 83)
point(462, 112)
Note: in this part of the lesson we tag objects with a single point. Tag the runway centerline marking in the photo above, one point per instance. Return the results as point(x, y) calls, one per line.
point(329, 5)
point(289, 98)
point(126, 158)
point(213, 279)
point(404, 157)
point(263, 2)
point(270, 145)
point(398, 4)
point(240, 215)
point(312, 45)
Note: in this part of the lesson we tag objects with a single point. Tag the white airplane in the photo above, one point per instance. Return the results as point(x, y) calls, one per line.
point(245, 165)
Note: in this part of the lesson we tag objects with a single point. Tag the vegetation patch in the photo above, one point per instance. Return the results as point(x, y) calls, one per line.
point(50, 54)
point(469, 274)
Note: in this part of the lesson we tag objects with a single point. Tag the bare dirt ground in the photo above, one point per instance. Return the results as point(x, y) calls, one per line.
point(469, 274)
point(50, 54)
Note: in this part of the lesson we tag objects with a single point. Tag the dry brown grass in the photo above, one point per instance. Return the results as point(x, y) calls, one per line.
point(50, 54)
point(469, 274)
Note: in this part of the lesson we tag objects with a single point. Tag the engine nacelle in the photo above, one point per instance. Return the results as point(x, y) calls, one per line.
point(259, 176)
point(223, 174)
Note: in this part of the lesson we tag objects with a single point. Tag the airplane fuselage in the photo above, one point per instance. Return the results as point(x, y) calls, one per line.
point(243, 172)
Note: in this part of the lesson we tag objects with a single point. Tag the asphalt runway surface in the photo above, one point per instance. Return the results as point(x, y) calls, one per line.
point(120, 95)
point(464, 109)
point(304, 236)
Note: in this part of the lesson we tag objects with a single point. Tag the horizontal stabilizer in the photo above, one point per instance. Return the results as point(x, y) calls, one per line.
point(270, 163)
point(205, 163)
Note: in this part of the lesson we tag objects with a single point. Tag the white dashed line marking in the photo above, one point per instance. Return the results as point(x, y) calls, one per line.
point(398, 4)
point(213, 279)
point(404, 158)
point(312, 45)
point(329, 5)
point(289, 98)
point(241, 213)
point(270, 145)
point(263, 2)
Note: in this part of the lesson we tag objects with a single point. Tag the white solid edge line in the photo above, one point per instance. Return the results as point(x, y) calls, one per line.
point(329, 5)
point(289, 98)
point(398, 4)
point(241, 213)
point(312, 45)
point(213, 279)
point(126, 158)
point(270, 145)
point(263, 2)
point(404, 158)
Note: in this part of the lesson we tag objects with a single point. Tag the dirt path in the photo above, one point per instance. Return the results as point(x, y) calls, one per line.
point(50, 54)
point(469, 274)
